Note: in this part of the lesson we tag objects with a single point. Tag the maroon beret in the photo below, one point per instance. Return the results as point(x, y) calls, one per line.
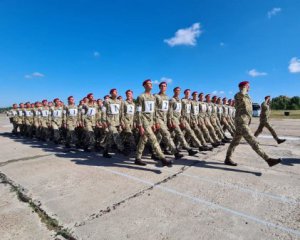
point(90, 94)
point(162, 83)
point(146, 81)
point(207, 95)
point(187, 90)
point(55, 99)
point(70, 97)
point(242, 84)
point(194, 93)
point(111, 90)
point(129, 91)
point(176, 89)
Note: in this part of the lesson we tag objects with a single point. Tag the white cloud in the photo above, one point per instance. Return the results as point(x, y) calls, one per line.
point(216, 92)
point(254, 73)
point(274, 12)
point(163, 79)
point(230, 92)
point(34, 75)
point(96, 54)
point(294, 66)
point(185, 36)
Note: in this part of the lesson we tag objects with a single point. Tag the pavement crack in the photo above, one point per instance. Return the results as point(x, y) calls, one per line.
point(51, 223)
point(23, 159)
point(113, 207)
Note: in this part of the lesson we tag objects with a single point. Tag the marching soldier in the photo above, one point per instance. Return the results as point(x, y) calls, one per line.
point(28, 120)
point(222, 116)
point(45, 121)
point(37, 120)
point(127, 120)
point(174, 121)
point(162, 115)
point(146, 122)
point(264, 121)
point(56, 116)
point(13, 118)
point(111, 116)
point(242, 122)
point(185, 123)
point(71, 121)
point(89, 118)
point(226, 110)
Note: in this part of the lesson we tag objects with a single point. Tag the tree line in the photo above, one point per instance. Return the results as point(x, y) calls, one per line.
point(285, 103)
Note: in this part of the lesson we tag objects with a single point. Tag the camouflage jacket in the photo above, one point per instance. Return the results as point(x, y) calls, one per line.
point(243, 105)
point(146, 110)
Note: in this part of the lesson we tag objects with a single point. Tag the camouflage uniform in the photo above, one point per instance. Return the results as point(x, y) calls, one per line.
point(71, 120)
point(45, 122)
point(56, 116)
point(175, 121)
point(146, 119)
point(205, 113)
point(28, 121)
point(222, 116)
point(212, 109)
point(37, 121)
point(242, 122)
point(13, 118)
point(111, 115)
point(127, 120)
point(89, 117)
point(185, 121)
point(264, 121)
point(162, 115)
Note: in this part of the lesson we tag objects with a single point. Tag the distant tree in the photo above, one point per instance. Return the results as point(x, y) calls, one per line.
point(285, 103)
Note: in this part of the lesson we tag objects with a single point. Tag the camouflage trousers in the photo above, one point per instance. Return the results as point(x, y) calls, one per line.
point(164, 135)
point(266, 124)
point(226, 126)
point(114, 137)
point(148, 136)
point(204, 130)
point(56, 125)
point(243, 131)
point(199, 133)
point(189, 133)
point(211, 129)
point(230, 122)
point(29, 127)
point(213, 120)
point(71, 136)
point(179, 134)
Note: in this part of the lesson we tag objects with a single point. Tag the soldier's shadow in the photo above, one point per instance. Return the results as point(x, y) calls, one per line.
point(290, 161)
point(96, 159)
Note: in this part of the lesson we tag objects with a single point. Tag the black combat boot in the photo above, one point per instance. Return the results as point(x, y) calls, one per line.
point(178, 155)
point(229, 162)
point(106, 154)
point(279, 141)
point(192, 152)
point(166, 162)
point(139, 162)
point(273, 161)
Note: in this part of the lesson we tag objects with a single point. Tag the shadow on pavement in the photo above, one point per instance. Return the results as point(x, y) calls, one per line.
point(95, 159)
point(290, 161)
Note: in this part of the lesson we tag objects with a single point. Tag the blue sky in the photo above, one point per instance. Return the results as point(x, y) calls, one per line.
point(57, 48)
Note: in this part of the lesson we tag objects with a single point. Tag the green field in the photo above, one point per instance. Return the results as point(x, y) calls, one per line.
point(294, 114)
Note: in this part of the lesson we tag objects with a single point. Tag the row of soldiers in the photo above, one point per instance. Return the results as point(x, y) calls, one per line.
point(166, 124)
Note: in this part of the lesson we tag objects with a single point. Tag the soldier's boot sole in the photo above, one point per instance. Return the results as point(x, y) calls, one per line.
point(273, 161)
point(229, 162)
point(139, 162)
point(279, 141)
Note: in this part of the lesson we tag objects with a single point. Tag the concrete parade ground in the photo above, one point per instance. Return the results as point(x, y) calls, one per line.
point(47, 192)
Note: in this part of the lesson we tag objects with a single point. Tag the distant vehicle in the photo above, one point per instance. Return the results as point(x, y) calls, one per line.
point(256, 109)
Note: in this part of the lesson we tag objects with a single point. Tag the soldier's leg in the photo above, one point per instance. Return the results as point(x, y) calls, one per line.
point(259, 129)
point(205, 131)
point(166, 138)
point(272, 131)
point(211, 130)
point(234, 143)
point(192, 135)
point(56, 134)
point(154, 144)
point(141, 146)
point(227, 127)
point(200, 135)
point(250, 138)
point(116, 137)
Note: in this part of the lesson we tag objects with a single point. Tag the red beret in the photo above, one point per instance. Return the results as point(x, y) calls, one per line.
point(176, 88)
point(242, 84)
point(214, 96)
point(111, 90)
point(55, 99)
point(44, 100)
point(129, 91)
point(89, 95)
point(187, 90)
point(146, 81)
point(194, 93)
point(224, 98)
point(162, 83)
point(207, 95)
point(70, 97)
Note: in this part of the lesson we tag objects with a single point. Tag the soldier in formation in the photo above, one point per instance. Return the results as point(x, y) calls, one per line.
point(156, 122)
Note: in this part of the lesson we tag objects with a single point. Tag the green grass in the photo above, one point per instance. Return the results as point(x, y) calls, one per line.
point(294, 114)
